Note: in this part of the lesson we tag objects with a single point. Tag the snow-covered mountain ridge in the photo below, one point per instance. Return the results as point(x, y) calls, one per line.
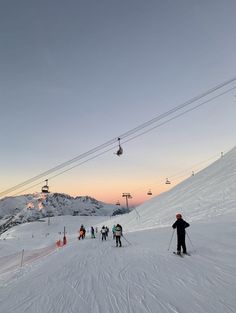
point(31, 207)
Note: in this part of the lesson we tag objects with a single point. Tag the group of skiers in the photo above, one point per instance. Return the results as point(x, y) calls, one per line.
point(82, 232)
point(104, 232)
point(179, 224)
point(116, 231)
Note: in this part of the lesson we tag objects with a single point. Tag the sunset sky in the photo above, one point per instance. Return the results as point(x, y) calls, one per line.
point(75, 74)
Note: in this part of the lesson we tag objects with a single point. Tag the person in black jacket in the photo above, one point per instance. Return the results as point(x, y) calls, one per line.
point(180, 224)
point(103, 232)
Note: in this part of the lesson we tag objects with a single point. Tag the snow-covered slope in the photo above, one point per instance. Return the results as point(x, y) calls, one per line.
point(210, 193)
point(93, 276)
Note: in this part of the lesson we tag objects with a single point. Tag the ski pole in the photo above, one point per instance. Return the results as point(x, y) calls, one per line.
point(171, 239)
point(190, 241)
point(22, 257)
point(127, 240)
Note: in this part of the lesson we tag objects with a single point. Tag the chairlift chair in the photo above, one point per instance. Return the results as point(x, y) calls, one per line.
point(168, 181)
point(149, 193)
point(118, 202)
point(120, 149)
point(45, 188)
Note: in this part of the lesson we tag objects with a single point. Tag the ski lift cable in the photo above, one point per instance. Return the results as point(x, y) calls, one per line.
point(28, 188)
point(193, 167)
point(132, 138)
point(187, 171)
point(67, 170)
point(177, 108)
point(140, 134)
point(58, 167)
point(177, 175)
point(124, 135)
point(172, 176)
point(178, 115)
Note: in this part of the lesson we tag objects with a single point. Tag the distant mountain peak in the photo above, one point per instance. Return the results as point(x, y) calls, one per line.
point(31, 207)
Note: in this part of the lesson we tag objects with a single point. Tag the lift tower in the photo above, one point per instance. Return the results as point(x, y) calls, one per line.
point(127, 195)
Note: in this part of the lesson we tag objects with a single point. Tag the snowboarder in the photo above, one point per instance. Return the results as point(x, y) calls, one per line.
point(103, 232)
point(118, 234)
point(180, 224)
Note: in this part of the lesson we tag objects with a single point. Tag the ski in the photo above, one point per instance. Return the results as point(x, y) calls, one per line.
point(180, 255)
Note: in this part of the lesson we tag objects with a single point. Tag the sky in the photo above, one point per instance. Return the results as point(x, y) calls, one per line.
point(75, 74)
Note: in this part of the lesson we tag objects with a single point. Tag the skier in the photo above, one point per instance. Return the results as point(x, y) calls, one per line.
point(92, 232)
point(118, 234)
point(180, 224)
point(82, 232)
point(107, 231)
point(103, 232)
point(114, 231)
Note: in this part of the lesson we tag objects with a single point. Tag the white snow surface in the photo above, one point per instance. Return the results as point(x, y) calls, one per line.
point(142, 276)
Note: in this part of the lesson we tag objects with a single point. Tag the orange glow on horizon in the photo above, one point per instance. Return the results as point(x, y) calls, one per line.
point(110, 194)
point(110, 191)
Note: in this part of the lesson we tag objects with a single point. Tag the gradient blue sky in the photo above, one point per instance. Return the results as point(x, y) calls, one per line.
point(74, 74)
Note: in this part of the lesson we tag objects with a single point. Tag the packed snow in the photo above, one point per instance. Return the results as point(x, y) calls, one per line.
point(143, 275)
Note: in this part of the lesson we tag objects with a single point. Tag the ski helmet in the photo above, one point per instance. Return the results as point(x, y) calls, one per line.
point(178, 215)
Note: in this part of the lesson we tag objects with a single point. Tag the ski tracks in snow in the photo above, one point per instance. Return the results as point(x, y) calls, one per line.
point(94, 277)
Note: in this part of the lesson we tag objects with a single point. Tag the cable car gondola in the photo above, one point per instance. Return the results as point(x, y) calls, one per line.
point(45, 188)
point(168, 181)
